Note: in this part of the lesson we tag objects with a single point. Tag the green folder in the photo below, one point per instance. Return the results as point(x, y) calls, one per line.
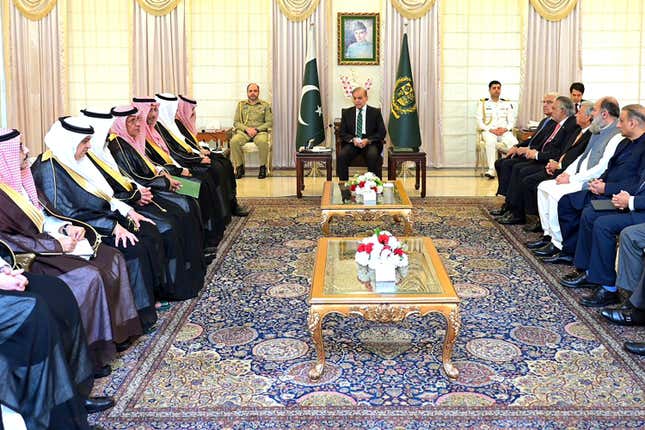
point(189, 187)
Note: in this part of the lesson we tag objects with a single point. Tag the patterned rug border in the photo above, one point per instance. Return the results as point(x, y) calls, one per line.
point(125, 412)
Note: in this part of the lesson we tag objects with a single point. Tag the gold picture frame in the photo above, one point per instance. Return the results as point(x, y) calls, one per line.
point(358, 38)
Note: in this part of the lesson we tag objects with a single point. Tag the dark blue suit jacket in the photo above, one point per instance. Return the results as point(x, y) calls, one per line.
point(625, 167)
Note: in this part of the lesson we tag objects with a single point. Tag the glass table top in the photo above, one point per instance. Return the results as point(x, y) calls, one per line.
point(338, 195)
point(342, 277)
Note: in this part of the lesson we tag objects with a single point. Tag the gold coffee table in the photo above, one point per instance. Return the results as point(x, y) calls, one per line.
point(337, 202)
point(425, 288)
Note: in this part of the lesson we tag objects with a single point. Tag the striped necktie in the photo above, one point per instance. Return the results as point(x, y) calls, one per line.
point(359, 124)
point(555, 131)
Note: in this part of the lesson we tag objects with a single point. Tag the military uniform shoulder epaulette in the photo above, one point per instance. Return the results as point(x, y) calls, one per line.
point(46, 155)
point(504, 100)
point(483, 99)
point(112, 137)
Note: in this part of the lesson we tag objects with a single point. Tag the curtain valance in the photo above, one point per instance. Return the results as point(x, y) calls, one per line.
point(297, 10)
point(34, 9)
point(413, 9)
point(554, 10)
point(158, 7)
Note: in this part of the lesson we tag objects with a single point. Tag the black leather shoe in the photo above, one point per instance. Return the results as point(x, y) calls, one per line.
point(262, 173)
point(499, 212)
point(102, 372)
point(574, 275)
point(533, 228)
point(543, 241)
point(548, 250)
point(600, 297)
point(240, 172)
point(98, 404)
point(560, 258)
point(120, 347)
point(511, 219)
point(637, 348)
point(579, 281)
point(624, 316)
point(240, 211)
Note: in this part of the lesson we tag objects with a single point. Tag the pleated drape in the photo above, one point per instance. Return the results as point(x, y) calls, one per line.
point(289, 53)
point(425, 59)
point(552, 60)
point(160, 51)
point(36, 81)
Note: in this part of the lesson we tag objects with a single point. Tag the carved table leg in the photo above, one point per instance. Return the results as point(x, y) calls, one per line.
point(454, 324)
point(324, 224)
point(407, 219)
point(315, 327)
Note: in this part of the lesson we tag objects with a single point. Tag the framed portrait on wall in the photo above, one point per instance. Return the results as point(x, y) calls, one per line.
point(358, 38)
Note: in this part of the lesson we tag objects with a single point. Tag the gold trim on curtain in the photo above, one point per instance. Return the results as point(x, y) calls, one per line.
point(35, 9)
point(298, 10)
point(413, 9)
point(554, 10)
point(158, 7)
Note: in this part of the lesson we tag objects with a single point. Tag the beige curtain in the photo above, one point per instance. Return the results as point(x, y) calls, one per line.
point(425, 59)
point(289, 53)
point(552, 60)
point(36, 82)
point(161, 52)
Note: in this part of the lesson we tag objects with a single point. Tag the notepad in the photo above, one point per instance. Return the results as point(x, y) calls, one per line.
point(603, 205)
point(188, 187)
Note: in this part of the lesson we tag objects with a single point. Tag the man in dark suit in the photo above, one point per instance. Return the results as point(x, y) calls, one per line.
point(362, 132)
point(577, 90)
point(595, 249)
point(631, 277)
point(573, 147)
point(537, 157)
point(504, 166)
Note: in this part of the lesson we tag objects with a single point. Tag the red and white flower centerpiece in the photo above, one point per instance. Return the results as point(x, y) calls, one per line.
point(383, 253)
point(367, 182)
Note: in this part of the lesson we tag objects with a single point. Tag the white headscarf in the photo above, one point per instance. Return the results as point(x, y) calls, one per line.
point(168, 105)
point(101, 121)
point(63, 138)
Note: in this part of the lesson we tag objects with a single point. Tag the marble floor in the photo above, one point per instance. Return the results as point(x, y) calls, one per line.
point(440, 182)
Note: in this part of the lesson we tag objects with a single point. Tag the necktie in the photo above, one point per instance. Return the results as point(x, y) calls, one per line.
point(359, 124)
point(555, 131)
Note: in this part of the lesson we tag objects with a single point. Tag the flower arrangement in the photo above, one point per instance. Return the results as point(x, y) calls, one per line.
point(349, 86)
point(367, 181)
point(382, 248)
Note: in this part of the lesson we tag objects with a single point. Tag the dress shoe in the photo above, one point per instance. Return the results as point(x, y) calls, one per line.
point(559, 258)
point(500, 211)
point(122, 346)
point(637, 348)
point(548, 250)
point(624, 316)
point(240, 172)
point(262, 173)
point(580, 281)
point(490, 174)
point(102, 372)
point(600, 297)
point(543, 241)
point(533, 227)
point(511, 219)
point(98, 404)
point(240, 211)
point(574, 275)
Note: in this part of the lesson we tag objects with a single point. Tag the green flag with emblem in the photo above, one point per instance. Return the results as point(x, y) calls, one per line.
point(310, 116)
point(403, 125)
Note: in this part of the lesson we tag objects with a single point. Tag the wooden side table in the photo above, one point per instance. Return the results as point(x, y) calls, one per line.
point(306, 157)
point(223, 135)
point(419, 159)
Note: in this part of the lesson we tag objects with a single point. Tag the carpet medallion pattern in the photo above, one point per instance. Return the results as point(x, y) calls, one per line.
point(237, 357)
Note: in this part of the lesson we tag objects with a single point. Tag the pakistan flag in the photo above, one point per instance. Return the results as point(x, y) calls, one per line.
point(404, 118)
point(310, 116)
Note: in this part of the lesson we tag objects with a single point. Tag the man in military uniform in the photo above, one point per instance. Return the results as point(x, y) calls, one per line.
point(495, 119)
point(253, 119)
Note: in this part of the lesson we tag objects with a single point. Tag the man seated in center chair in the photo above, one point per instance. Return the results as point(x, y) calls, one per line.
point(362, 131)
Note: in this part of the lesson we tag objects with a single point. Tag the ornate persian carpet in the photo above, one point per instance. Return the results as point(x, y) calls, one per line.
point(237, 356)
